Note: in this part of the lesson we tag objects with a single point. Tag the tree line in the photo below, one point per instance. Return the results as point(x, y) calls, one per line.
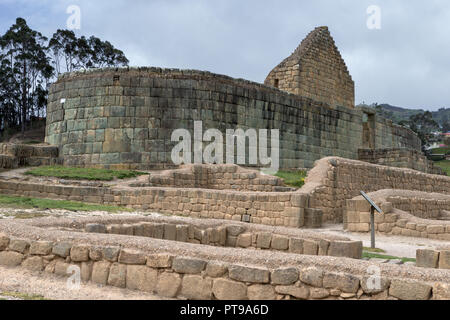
point(30, 62)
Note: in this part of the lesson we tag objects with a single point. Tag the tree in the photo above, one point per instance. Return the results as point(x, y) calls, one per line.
point(74, 53)
point(29, 62)
point(26, 51)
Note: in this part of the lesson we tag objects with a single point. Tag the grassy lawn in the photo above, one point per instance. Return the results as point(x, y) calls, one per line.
point(444, 164)
point(382, 256)
point(83, 173)
point(29, 203)
point(294, 179)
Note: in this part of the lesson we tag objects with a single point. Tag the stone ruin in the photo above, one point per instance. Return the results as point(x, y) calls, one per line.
point(224, 231)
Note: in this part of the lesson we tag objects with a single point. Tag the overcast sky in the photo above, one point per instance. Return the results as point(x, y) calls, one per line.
point(405, 63)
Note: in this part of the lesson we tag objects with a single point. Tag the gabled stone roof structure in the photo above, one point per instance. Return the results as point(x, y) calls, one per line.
point(316, 70)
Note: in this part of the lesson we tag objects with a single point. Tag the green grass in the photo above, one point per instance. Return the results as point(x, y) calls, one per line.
point(444, 164)
point(294, 179)
point(28, 203)
point(382, 256)
point(22, 296)
point(83, 173)
point(440, 150)
point(377, 250)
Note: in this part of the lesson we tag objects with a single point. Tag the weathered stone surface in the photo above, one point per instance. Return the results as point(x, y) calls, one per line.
point(310, 247)
point(111, 253)
point(18, 245)
point(215, 269)
point(95, 253)
point(100, 272)
point(170, 231)
point(224, 289)
point(196, 288)
point(235, 230)
point(79, 253)
point(323, 247)
point(409, 290)
point(427, 258)
point(312, 276)
point(248, 274)
point(263, 240)
point(95, 228)
point(141, 278)
point(319, 293)
point(117, 275)
point(261, 292)
point(441, 291)
point(300, 292)
point(280, 242)
point(33, 263)
point(86, 270)
point(374, 284)
point(188, 265)
point(41, 248)
point(285, 276)
point(244, 240)
point(344, 282)
point(296, 245)
point(62, 249)
point(168, 284)
point(4, 241)
point(10, 258)
point(350, 249)
point(444, 259)
point(160, 260)
point(128, 256)
point(62, 268)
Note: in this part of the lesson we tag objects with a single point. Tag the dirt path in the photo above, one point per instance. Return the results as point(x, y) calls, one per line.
point(19, 282)
point(398, 246)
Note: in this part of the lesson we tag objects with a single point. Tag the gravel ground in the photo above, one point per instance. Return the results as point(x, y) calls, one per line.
point(398, 246)
point(28, 283)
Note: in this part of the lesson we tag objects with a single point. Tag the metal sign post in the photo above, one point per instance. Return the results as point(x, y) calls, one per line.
point(373, 207)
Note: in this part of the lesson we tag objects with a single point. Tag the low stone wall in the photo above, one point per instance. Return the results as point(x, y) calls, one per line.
point(234, 236)
point(394, 221)
point(190, 277)
point(433, 258)
point(14, 155)
point(401, 158)
point(221, 177)
point(271, 208)
point(334, 180)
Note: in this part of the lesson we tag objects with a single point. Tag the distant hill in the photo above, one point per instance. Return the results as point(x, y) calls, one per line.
point(398, 114)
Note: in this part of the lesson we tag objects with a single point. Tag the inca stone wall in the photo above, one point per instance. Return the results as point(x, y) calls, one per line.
point(402, 158)
point(316, 70)
point(124, 118)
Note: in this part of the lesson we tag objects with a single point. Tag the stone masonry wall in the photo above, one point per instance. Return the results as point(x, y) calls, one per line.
point(219, 177)
point(402, 158)
point(395, 222)
point(270, 208)
point(184, 276)
point(234, 236)
point(316, 70)
point(124, 118)
point(334, 180)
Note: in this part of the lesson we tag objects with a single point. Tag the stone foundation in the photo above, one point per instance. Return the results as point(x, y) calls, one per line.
point(401, 158)
point(13, 156)
point(396, 222)
point(192, 271)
